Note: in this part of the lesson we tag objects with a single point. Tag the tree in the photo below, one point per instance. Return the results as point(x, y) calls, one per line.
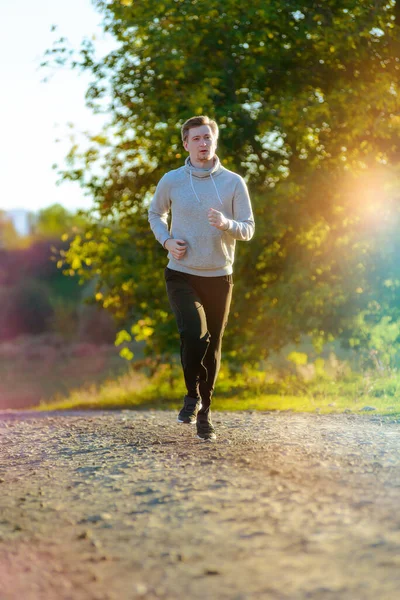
point(55, 220)
point(8, 235)
point(306, 96)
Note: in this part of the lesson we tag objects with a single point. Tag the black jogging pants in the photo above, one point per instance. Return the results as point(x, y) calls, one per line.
point(201, 308)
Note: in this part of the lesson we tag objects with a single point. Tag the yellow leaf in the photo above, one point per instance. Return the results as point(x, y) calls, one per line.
point(126, 353)
point(298, 358)
point(122, 336)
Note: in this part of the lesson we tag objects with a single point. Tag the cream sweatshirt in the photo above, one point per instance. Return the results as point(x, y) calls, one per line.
point(188, 193)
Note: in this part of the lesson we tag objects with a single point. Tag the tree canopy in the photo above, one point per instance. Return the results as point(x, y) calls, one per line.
point(306, 95)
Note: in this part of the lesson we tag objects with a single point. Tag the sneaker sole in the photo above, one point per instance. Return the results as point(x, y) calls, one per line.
point(188, 422)
point(209, 439)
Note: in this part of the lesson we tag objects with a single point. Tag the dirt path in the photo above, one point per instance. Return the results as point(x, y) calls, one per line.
point(126, 505)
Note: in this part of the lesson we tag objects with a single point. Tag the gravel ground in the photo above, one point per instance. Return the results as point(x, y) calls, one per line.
point(125, 505)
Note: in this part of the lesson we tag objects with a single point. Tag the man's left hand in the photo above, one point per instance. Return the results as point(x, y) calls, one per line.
point(217, 219)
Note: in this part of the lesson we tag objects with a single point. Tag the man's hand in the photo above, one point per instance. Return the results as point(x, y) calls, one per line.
point(176, 247)
point(217, 219)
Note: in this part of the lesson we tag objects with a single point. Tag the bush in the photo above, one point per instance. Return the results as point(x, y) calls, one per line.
point(26, 309)
point(64, 321)
point(96, 326)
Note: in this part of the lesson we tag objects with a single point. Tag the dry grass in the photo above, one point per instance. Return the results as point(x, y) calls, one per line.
point(40, 368)
point(46, 373)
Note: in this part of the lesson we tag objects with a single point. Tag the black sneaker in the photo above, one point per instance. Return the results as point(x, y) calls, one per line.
point(189, 411)
point(205, 428)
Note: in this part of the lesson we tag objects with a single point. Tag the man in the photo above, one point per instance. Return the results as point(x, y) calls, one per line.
point(210, 209)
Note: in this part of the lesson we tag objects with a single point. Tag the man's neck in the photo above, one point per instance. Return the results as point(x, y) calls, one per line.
point(205, 165)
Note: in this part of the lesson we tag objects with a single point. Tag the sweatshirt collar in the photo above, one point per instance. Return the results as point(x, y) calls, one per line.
point(215, 170)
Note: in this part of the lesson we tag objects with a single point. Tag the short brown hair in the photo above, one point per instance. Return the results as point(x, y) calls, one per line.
point(197, 122)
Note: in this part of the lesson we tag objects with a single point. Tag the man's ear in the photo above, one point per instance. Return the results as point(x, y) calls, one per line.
point(185, 145)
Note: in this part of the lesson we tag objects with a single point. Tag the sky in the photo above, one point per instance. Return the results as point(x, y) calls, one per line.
point(34, 114)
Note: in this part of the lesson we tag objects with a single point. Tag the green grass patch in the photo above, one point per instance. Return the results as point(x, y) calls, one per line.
point(43, 372)
point(354, 393)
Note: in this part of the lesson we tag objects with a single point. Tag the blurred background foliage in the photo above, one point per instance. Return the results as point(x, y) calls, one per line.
point(306, 95)
point(36, 296)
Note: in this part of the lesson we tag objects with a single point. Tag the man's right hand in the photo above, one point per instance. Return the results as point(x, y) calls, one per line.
point(176, 247)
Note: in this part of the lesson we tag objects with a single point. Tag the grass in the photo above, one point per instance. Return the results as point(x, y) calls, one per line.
point(43, 368)
point(241, 391)
point(44, 373)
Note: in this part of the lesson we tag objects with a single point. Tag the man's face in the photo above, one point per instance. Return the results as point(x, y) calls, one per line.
point(201, 144)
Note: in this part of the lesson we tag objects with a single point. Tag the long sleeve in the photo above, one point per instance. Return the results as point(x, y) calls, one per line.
point(159, 210)
point(242, 226)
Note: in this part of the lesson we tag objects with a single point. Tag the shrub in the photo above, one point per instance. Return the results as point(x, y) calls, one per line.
point(26, 309)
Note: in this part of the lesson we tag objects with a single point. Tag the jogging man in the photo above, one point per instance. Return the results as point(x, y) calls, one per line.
point(210, 209)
